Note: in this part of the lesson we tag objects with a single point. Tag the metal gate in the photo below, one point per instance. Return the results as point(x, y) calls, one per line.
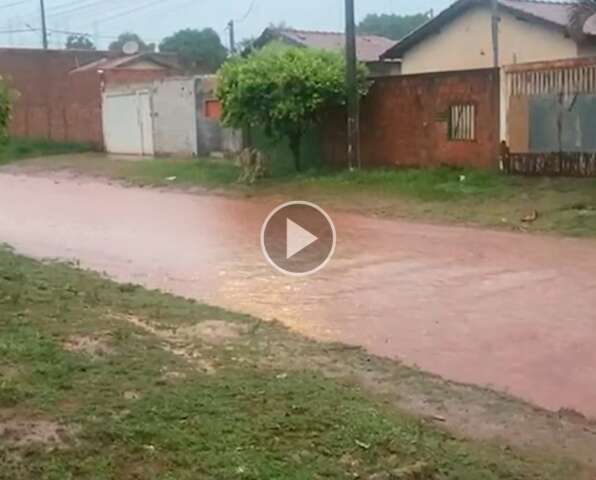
point(128, 123)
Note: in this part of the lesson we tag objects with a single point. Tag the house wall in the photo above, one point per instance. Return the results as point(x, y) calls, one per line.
point(175, 122)
point(53, 104)
point(466, 43)
point(404, 122)
point(212, 135)
point(179, 121)
point(383, 68)
point(127, 76)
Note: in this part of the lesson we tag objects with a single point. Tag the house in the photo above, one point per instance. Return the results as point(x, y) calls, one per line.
point(145, 66)
point(174, 115)
point(547, 79)
point(369, 48)
point(460, 37)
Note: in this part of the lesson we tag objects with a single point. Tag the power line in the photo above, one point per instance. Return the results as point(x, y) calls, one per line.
point(85, 34)
point(71, 8)
point(14, 4)
point(19, 30)
point(248, 12)
point(132, 10)
point(70, 4)
point(76, 9)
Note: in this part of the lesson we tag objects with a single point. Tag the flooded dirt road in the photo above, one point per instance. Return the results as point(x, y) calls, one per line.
point(510, 311)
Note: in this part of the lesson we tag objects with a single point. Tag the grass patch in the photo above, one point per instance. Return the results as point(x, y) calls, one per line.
point(434, 184)
point(19, 148)
point(199, 172)
point(143, 407)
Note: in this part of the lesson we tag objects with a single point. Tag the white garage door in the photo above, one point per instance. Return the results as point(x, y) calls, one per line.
point(127, 123)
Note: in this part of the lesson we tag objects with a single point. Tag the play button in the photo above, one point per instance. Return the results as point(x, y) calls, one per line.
point(298, 238)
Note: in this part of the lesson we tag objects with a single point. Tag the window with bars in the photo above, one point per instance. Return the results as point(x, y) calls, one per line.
point(462, 122)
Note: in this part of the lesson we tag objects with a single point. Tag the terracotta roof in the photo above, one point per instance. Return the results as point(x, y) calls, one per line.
point(554, 14)
point(369, 47)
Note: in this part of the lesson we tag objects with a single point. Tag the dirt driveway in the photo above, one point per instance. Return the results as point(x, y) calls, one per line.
point(510, 311)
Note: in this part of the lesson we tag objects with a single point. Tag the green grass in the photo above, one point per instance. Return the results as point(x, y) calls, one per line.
point(256, 414)
point(434, 184)
point(201, 172)
point(19, 148)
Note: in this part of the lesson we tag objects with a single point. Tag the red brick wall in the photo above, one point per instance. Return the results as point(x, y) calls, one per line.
point(404, 121)
point(52, 103)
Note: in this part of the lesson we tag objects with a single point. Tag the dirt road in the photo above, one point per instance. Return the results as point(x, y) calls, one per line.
point(510, 311)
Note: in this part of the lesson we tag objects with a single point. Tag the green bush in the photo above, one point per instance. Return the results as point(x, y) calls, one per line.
point(5, 108)
point(285, 91)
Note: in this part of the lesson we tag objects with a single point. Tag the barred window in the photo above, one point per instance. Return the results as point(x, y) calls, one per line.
point(462, 122)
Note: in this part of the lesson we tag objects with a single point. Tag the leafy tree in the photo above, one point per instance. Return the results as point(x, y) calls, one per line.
point(125, 37)
point(395, 27)
point(285, 90)
point(79, 42)
point(6, 97)
point(196, 48)
point(279, 26)
point(581, 11)
point(245, 43)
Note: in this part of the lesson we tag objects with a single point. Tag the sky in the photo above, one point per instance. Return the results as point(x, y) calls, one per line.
point(155, 19)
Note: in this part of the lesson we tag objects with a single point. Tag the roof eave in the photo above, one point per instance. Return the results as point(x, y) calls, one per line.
point(434, 25)
point(431, 26)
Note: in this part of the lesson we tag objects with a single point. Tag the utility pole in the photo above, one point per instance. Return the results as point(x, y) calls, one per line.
point(352, 88)
point(232, 37)
point(44, 30)
point(495, 31)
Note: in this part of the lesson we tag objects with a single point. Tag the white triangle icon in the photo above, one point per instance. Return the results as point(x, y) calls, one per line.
point(297, 239)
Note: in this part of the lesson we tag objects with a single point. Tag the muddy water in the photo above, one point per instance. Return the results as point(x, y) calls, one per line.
point(514, 312)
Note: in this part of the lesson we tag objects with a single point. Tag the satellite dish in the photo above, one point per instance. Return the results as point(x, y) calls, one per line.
point(130, 48)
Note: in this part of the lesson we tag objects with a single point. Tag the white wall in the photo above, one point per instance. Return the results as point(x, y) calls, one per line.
point(175, 120)
point(177, 117)
point(466, 43)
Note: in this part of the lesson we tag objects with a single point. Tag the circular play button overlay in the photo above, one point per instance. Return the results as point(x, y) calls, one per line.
point(298, 238)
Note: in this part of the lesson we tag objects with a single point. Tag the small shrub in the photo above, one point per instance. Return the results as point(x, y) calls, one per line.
point(6, 97)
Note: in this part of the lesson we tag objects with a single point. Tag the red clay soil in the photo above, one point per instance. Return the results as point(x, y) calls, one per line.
point(511, 311)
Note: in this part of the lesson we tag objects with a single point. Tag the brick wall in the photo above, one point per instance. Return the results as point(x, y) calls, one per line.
point(404, 121)
point(52, 103)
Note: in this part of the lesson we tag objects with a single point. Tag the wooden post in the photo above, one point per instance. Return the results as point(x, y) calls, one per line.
point(44, 30)
point(352, 88)
point(495, 31)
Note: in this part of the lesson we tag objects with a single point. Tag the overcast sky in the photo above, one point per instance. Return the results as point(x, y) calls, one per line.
point(155, 19)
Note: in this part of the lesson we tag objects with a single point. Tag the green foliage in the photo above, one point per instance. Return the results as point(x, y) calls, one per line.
point(440, 184)
point(392, 26)
point(125, 37)
point(196, 48)
point(79, 42)
point(284, 90)
point(6, 98)
point(19, 148)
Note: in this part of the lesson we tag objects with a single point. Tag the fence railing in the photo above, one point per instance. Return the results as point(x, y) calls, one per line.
point(565, 164)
